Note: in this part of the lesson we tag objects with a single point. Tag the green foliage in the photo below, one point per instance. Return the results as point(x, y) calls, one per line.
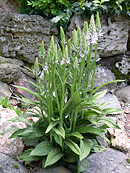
point(68, 122)
point(61, 11)
point(5, 102)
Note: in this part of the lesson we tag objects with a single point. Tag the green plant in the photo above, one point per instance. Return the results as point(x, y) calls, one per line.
point(5, 102)
point(61, 11)
point(68, 121)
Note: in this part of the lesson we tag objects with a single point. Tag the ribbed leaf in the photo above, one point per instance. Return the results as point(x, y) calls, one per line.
point(53, 157)
point(87, 129)
point(42, 149)
point(82, 165)
point(113, 111)
point(16, 133)
point(99, 95)
point(85, 149)
point(73, 146)
point(76, 134)
point(21, 119)
point(26, 156)
point(109, 121)
point(11, 129)
point(51, 125)
point(58, 139)
point(59, 131)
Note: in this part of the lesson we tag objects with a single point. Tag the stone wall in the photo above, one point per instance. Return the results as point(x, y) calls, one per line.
point(21, 35)
point(9, 6)
point(115, 37)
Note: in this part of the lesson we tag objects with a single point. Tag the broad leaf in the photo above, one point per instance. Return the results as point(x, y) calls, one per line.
point(85, 149)
point(58, 139)
point(70, 156)
point(21, 119)
point(109, 121)
point(32, 132)
point(53, 157)
point(11, 129)
point(73, 146)
point(42, 149)
point(26, 156)
point(16, 133)
point(76, 134)
point(113, 111)
point(88, 129)
point(59, 131)
point(77, 98)
point(51, 125)
point(99, 95)
point(82, 165)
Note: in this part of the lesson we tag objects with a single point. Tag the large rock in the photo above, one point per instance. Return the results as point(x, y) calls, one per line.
point(12, 147)
point(124, 94)
point(102, 76)
point(115, 29)
point(9, 165)
point(21, 35)
point(9, 6)
point(109, 161)
point(9, 69)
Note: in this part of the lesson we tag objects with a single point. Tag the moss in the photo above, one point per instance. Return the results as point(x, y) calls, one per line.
point(120, 75)
point(16, 166)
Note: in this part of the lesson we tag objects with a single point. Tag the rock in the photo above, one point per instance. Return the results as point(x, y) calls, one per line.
point(115, 29)
point(9, 6)
point(102, 76)
point(24, 82)
point(119, 138)
point(9, 165)
point(124, 65)
point(21, 35)
point(127, 125)
point(54, 170)
point(124, 93)
point(110, 97)
point(4, 90)
point(12, 147)
point(109, 161)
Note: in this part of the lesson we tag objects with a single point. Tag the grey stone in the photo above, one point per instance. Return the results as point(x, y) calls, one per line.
point(109, 161)
point(110, 97)
point(124, 65)
point(102, 76)
point(115, 29)
point(8, 165)
point(54, 170)
point(124, 94)
point(21, 35)
point(4, 90)
point(9, 6)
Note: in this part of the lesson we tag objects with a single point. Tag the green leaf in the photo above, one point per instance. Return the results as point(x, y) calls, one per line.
point(16, 133)
point(70, 156)
point(82, 165)
point(42, 149)
point(77, 98)
point(51, 125)
point(76, 134)
point(59, 131)
point(53, 157)
point(73, 146)
point(109, 121)
point(88, 129)
point(11, 129)
point(32, 132)
point(21, 119)
point(56, 19)
point(85, 149)
point(58, 139)
point(99, 95)
point(113, 111)
point(26, 156)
